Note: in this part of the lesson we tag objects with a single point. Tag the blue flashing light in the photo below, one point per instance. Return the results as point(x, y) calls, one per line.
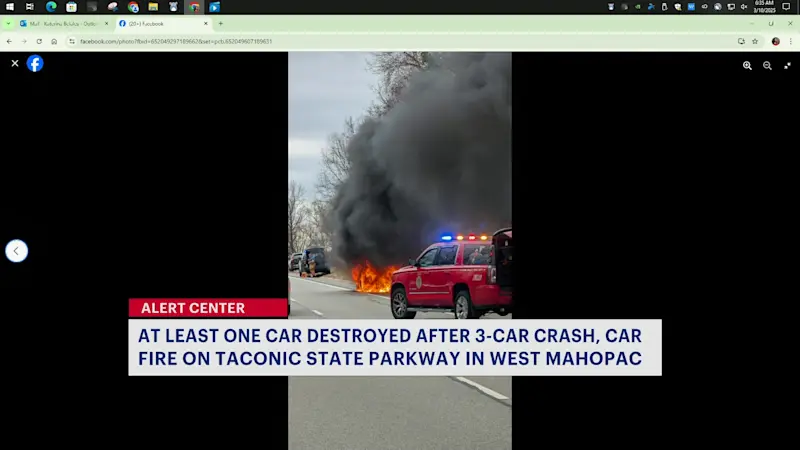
point(447, 237)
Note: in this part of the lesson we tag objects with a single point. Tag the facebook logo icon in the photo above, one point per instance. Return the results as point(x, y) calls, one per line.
point(35, 63)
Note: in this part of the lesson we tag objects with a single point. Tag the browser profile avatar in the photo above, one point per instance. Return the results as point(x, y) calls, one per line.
point(35, 63)
point(214, 7)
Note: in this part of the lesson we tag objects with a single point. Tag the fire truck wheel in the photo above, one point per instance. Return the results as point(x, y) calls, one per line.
point(463, 306)
point(399, 305)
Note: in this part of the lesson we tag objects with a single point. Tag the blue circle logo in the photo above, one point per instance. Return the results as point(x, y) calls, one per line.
point(35, 63)
point(122, 23)
point(51, 6)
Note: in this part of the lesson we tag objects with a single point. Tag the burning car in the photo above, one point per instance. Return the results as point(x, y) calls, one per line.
point(469, 275)
point(372, 280)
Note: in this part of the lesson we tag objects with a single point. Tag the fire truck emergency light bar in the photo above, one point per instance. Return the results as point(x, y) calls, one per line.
point(470, 237)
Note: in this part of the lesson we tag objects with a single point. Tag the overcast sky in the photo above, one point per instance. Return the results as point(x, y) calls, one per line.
point(324, 89)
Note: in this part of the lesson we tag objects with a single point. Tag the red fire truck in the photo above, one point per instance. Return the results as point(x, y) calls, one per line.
point(470, 275)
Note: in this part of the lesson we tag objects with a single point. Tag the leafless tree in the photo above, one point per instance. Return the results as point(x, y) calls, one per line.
point(318, 233)
point(394, 70)
point(334, 162)
point(298, 219)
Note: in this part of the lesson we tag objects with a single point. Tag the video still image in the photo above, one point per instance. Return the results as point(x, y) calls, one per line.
point(399, 208)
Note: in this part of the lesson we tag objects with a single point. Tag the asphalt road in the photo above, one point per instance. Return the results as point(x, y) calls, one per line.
point(383, 413)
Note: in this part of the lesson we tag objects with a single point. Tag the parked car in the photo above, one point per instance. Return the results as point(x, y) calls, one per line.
point(317, 255)
point(294, 261)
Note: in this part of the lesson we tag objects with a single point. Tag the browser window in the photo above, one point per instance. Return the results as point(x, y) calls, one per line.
point(155, 132)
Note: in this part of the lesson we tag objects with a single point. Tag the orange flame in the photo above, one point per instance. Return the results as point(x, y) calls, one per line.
point(372, 280)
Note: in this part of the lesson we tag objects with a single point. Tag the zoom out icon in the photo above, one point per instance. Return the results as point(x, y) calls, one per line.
point(122, 24)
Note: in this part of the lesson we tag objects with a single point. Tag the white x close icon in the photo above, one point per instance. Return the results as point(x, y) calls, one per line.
point(14, 63)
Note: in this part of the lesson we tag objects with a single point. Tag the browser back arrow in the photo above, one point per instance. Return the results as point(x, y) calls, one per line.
point(15, 250)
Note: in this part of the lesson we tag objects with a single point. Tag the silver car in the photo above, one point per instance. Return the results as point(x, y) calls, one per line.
point(294, 261)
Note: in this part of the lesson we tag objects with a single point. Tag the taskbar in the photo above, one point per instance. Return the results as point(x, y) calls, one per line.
point(408, 7)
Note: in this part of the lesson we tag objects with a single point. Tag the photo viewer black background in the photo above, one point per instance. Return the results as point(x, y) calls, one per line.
point(161, 178)
point(611, 175)
point(626, 171)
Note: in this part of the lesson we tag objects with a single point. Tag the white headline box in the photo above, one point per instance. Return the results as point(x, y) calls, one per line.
point(394, 347)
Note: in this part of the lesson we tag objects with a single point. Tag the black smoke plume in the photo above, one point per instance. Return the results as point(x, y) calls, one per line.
point(439, 161)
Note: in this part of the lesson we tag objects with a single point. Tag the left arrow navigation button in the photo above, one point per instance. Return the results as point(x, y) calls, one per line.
point(17, 251)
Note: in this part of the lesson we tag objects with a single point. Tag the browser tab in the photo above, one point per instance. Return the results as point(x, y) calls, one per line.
point(158, 25)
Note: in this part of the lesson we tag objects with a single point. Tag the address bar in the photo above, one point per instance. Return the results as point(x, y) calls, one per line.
point(427, 41)
point(151, 43)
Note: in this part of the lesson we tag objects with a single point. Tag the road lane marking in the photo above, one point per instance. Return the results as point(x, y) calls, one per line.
point(477, 386)
point(324, 284)
point(384, 296)
point(483, 389)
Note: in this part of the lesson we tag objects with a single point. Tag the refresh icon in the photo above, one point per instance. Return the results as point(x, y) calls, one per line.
point(122, 24)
